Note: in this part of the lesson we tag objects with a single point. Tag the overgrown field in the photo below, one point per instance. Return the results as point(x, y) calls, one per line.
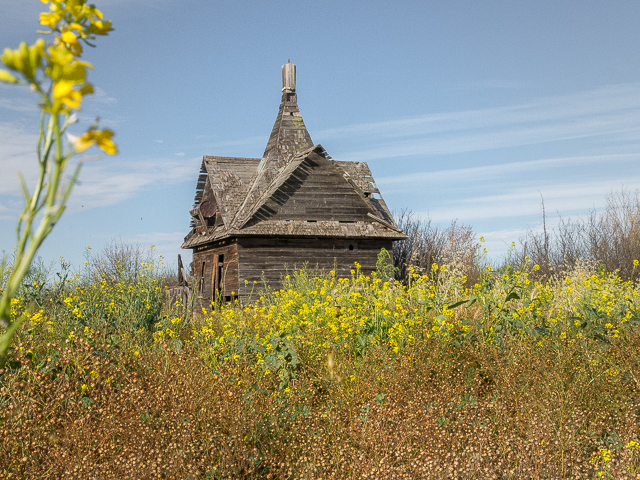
point(514, 377)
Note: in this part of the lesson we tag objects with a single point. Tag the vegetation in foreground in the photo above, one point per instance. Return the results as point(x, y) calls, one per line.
point(327, 378)
point(55, 73)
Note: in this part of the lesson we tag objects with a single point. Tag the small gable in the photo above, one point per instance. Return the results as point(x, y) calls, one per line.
point(229, 178)
point(314, 190)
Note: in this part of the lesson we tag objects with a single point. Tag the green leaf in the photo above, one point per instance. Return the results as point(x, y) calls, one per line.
point(457, 304)
point(379, 399)
point(5, 339)
point(512, 296)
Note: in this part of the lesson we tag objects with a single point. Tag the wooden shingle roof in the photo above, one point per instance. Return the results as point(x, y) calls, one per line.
point(295, 189)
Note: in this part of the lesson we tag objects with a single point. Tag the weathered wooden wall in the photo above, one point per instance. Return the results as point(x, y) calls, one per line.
point(204, 263)
point(269, 258)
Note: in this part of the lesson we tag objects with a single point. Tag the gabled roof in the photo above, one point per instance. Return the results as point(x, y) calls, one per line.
point(341, 207)
point(230, 181)
point(360, 175)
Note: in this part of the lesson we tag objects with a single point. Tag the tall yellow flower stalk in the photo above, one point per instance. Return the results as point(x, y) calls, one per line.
point(54, 71)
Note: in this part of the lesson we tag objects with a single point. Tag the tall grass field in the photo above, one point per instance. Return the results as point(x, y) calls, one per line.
point(509, 375)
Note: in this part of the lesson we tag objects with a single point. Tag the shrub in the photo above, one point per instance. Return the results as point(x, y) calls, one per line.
point(428, 244)
point(610, 239)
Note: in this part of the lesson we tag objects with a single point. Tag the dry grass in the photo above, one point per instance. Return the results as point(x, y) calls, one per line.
point(435, 412)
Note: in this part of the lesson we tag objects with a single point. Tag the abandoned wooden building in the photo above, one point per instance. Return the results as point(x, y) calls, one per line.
point(254, 218)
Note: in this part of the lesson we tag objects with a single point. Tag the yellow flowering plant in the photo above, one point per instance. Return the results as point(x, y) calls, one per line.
point(56, 74)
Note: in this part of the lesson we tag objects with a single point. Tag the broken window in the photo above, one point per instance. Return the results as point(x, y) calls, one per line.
point(205, 214)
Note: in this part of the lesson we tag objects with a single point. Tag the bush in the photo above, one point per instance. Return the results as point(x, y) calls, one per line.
point(610, 239)
point(428, 244)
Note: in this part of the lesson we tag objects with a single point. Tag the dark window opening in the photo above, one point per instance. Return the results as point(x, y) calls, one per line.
point(204, 264)
point(312, 221)
point(351, 247)
point(220, 272)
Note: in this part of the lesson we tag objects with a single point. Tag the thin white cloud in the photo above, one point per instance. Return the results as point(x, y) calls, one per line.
point(101, 183)
point(19, 104)
point(566, 198)
point(101, 96)
point(496, 84)
point(17, 154)
point(238, 143)
point(502, 170)
point(112, 180)
point(611, 110)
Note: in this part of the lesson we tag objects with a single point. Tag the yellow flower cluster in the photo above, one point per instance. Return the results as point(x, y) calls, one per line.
point(72, 22)
point(315, 316)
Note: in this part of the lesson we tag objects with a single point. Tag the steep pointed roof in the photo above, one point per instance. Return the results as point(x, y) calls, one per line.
point(288, 137)
point(289, 134)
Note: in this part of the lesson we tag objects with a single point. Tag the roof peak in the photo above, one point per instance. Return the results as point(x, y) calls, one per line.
point(289, 134)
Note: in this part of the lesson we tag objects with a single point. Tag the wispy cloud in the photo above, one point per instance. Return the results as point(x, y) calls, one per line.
point(17, 147)
point(611, 110)
point(110, 181)
point(495, 84)
point(477, 174)
point(238, 143)
point(522, 202)
point(101, 183)
point(101, 96)
point(19, 104)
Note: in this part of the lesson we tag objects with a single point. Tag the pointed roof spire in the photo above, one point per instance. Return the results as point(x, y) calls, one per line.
point(288, 137)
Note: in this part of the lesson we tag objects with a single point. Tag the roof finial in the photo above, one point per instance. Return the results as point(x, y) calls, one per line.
point(288, 77)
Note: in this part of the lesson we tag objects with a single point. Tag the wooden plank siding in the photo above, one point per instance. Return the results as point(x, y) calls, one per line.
point(315, 191)
point(269, 258)
point(212, 274)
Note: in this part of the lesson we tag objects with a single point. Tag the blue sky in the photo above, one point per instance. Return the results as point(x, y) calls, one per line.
point(464, 110)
